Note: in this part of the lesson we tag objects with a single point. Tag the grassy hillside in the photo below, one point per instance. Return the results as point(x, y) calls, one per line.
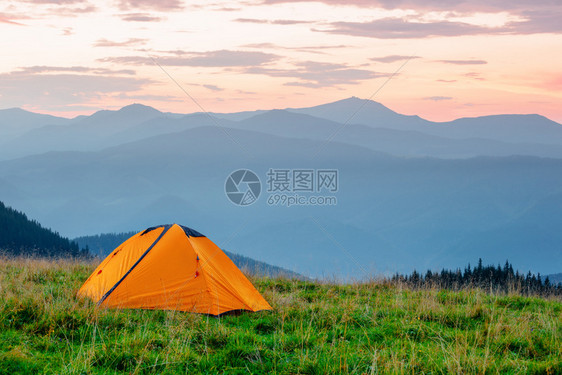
point(315, 328)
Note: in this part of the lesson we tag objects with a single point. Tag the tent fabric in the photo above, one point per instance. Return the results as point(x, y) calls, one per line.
point(171, 267)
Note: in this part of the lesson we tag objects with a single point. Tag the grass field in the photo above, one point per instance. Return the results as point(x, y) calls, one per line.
point(315, 328)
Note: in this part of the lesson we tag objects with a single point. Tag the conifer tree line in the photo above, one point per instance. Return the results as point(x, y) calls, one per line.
point(490, 278)
point(21, 236)
point(100, 245)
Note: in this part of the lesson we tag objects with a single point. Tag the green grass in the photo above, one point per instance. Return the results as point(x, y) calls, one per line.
point(315, 328)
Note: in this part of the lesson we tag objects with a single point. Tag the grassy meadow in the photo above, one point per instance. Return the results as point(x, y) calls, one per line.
point(315, 328)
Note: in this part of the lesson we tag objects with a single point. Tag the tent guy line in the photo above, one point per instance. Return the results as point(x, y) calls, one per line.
point(213, 119)
point(331, 137)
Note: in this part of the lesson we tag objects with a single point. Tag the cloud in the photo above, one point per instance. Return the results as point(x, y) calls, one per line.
point(539, 21)
point(147, 97)
point(263, 45)
point(457, 5)
point(4, 19)
point(325, 47)
point(57, 2)
point(446, 80)
point(318, 74)
point(63, 8)
point(40, 69)
point(71, 11)
point(393, 58)
point(276, 46)
point(307, 49)
point(213, 87)
point(463, 62)
point(140, 17)
point(227, 9)
point(158, 5)
point(29, 88)
point(474, 75)
point(218, 7)
point(62, 4)
point(222, 58)
point(208, 86)
point(551, 83)
point(288, 22)
point(129, 42)
point(272, 22)
point(243, 92)
point(250, 20)
point(438, 98)
point(398, 28)
point(11, 19)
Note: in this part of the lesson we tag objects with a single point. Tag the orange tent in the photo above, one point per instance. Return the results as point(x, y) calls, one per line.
point(171, 267)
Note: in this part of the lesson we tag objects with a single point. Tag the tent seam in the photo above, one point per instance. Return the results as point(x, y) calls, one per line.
point(104, 297)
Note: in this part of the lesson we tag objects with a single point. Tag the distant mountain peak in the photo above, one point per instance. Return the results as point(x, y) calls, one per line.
point(138, 108)
point(14, 110)
point(355, 99)
point(25, 112)
point(131, 109)
point(348, 103)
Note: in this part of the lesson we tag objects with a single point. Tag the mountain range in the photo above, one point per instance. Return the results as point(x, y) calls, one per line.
point(412, 193)
point(373, 126)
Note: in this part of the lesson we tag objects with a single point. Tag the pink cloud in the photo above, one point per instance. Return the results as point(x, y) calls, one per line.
point(393, 58)
point(140, 17)
point(222, 58)
point(159, 5)
point(458, 5)
point(41, 69)
point(129, 42)
point(272, 22)
point(57, 2)
point(10, 19)
point(463, 62)
point(315, 74)
point(541, 16)
point(438, 98)
point(64, 87)
point(553, 83)
point(398, 28)
point(319, 49)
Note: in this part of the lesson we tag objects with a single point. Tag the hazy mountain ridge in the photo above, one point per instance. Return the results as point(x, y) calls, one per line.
point(393, 213)
point(373, 126)
point(525, 128)
point(15, 122)
point(409, 143)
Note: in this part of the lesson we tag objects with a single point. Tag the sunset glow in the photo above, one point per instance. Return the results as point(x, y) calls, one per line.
point(71, 57)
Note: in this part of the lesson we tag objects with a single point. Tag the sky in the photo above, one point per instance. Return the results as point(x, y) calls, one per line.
point(437, 59)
